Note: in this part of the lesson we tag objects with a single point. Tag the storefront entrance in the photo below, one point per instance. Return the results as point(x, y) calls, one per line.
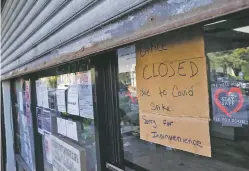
point(91, 114)
point(226, 53)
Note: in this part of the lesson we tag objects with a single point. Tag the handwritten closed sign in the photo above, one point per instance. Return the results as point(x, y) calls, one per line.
point(173, 92)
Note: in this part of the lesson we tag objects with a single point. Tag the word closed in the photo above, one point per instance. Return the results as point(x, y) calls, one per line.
point(169, 69)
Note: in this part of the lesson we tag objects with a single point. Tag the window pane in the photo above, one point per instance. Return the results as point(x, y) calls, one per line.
point(23, 121)
point(75, 129)
point(227, 50)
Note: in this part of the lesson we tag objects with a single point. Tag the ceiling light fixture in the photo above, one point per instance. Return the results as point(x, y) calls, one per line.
point(221, 21)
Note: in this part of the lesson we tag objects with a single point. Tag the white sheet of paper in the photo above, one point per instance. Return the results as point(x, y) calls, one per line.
point(41, 131)
point(24, 123)
point(26, 151)
point(38, 93)
point(73, 100)
point(67, 156)
point(126, 58)
point(86, 101)
point(72, 130)
point(39, 117)
point(55, 169)
point(61, 126)
point(85, 95)
point(20, 101)
point(48, 147)
point(44, 94)
point(46, 120)
point(61, 100)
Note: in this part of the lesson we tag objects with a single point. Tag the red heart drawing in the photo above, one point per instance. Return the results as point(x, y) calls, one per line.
point(222, 108)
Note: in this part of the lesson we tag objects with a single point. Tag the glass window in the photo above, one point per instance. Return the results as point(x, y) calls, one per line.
point(227, 50)
point(23, 121)
point(66, 101)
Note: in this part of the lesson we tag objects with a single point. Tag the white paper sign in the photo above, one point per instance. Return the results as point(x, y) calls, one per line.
point(61, 99)
point(86, 101)
point(26, 139)
point(38, 93)
point(85, 95)
point(46, 120)
point(55, 169)
point(67, 156)
point(127, 58)
point(42, 94)
point(61, 126)
point(20, 101)
point(45, 95)
point(73, 100)
point(72, 130)
point(48, 147)
point(39, 116)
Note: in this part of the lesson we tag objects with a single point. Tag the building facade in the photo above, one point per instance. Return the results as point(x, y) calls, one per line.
point(92, 85)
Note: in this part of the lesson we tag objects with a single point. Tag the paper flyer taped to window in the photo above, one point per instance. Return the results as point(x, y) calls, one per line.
point(61, 161)
point(73, 100)
point(48, 149)
point(229, 105)
point(72, 130)
point(20, 101)
point(39, 120)
point(61, 99)
point(46, 122)
point(27, 92)
point(38, 93)
point(126, 59)
point(61, 126)
point(42, 94)
point(85, 94)
point(28, 113)
point(26, 139)
point(52, 98)
point(44, 90)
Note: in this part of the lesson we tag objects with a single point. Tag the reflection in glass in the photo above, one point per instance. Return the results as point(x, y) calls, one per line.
point(228, 54)
point(85, 126)
point(23, 122)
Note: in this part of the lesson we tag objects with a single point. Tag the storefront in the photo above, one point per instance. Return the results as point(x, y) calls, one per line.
point(178, 100)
